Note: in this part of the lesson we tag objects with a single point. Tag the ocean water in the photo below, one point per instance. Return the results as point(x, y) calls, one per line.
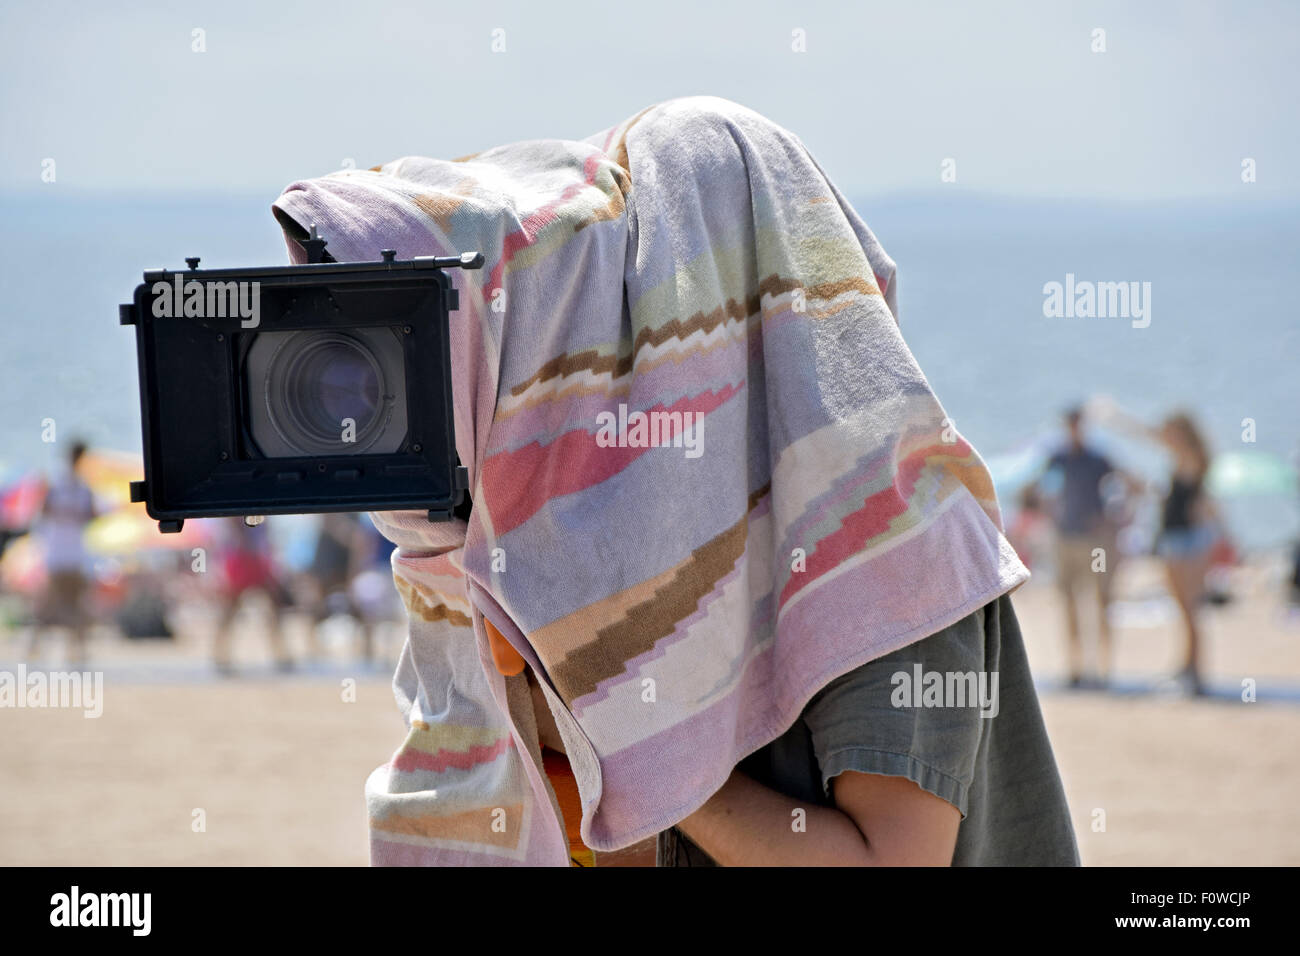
point(1223, 338)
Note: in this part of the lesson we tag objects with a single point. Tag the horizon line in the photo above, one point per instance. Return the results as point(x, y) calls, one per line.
point(935, 194)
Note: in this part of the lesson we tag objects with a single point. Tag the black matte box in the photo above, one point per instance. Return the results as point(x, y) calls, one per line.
point(200, 457)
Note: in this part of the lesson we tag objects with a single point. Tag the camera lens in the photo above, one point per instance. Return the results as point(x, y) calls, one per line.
point(326, 392)
point(331, 384)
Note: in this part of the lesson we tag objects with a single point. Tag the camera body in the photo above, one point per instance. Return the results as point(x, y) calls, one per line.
point(297, 389)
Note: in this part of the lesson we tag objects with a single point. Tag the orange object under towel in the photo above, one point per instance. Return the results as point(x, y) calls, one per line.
point(510, 662)
point(565, 784)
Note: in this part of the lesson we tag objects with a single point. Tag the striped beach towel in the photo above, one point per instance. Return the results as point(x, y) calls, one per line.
point(708, 476)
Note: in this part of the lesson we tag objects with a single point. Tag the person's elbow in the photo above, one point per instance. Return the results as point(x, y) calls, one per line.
point(900, 823)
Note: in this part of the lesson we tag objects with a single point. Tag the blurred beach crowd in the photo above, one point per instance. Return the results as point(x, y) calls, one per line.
point(77, 557)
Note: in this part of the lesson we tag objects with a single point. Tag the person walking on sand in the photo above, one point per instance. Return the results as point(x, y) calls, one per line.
point(247, 565)
point(1190, 525)
point(1086, 549)
point(341, 553)
point(69, 506)
point(1188, 531)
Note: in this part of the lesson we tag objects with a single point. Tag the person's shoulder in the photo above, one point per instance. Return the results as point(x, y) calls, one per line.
point(940, 650)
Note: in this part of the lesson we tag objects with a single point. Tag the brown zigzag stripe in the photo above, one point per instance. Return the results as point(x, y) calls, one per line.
point(773, 285)
point(565, 365)
point(644, 624)
point(577, 390)
point(706, 322)
point(829, 290)
point(421, 602)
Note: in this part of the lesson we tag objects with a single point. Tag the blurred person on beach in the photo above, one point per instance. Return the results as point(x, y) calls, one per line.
point(68, 508)
point(1294, 595)
point(1030, 531)
point(1190, 526)
point(248, 566)
point(1295, 576)
point(1086, 536)
point(343, 552)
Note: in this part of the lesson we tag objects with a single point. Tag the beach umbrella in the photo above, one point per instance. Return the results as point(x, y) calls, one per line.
point(22, 568)
point(20, 500)
point(127, 528)
point(1241, 473)
point(130, 530)
point(109, 473)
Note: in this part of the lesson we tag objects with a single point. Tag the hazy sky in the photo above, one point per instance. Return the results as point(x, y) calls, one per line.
point(884, 93)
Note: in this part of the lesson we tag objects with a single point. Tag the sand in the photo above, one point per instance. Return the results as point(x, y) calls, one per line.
point(276, 764)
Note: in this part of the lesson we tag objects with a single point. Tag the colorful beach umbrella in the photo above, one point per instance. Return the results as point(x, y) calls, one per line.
point(1241, 473)
point(22, 568)
point(130, 530)
point(109, 474)
point(20, 500)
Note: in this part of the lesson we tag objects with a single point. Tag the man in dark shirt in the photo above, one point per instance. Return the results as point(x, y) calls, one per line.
point(1085, 542)
point(989, 760)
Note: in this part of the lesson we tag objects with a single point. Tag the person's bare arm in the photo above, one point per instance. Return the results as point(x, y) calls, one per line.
point(876, 821)
point(1104, 410)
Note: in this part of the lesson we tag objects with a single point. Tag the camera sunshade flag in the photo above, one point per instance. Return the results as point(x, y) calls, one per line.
point(692, 263)
point(297, 389)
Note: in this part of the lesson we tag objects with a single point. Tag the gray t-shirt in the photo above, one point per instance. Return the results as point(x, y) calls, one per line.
point(997, 770)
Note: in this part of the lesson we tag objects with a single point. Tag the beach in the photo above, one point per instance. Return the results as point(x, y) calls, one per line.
point(183, 768)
